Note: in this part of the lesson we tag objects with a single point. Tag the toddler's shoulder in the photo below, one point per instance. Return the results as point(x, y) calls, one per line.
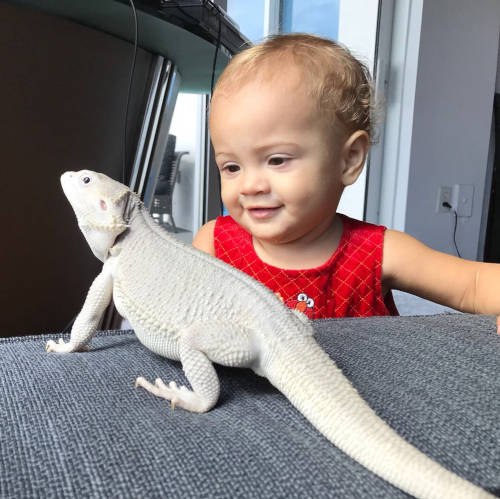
point(361, 232)
point(204, 239)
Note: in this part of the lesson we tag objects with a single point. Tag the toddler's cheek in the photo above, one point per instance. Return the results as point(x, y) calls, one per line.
point(228, 198)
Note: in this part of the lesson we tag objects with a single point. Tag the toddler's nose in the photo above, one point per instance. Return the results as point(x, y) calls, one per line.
point(254, 182)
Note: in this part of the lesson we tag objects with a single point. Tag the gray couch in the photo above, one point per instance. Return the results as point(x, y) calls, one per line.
point(74, 426)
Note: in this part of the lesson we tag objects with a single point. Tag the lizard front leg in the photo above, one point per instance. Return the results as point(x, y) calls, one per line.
point(87, 321)
point(200, 345)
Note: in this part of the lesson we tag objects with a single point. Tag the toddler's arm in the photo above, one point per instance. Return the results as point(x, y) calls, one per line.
point(468, 286)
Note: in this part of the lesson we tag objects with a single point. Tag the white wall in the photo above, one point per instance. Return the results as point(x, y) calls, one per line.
point(451, 122)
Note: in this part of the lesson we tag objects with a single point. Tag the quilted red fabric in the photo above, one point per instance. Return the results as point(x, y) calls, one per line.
point(347, 285)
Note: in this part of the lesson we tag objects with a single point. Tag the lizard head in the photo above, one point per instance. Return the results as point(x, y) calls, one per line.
point(99, 204)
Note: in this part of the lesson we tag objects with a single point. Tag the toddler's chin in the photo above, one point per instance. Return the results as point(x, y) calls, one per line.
point(274, 236)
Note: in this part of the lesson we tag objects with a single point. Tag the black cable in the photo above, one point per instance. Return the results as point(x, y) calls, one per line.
point(448, 205)
point(455, 234)
point(129, 91)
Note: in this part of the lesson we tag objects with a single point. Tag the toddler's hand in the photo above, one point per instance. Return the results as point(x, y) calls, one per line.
point(498, 325)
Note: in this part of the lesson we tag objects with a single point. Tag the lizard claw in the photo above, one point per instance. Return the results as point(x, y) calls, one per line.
point(139, 382)
point(182, 397)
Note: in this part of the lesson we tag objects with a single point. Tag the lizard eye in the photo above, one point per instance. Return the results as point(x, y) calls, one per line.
point(86, 179)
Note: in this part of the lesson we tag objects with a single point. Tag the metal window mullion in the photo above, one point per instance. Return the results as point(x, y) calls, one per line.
point(154, 123)
point(202, 165)
point(158, 140)
point(155, 80)
point(382, 66)
point(272, 17)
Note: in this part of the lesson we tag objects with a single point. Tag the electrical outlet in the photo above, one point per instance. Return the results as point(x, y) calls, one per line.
point(461, 199)
point(444, 196)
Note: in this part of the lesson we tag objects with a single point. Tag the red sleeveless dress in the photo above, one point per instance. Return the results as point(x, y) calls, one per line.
point(347, 285)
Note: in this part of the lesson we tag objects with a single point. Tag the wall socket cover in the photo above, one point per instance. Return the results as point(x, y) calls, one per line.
point(461, 199)
point(444, 196)
point(458, 196)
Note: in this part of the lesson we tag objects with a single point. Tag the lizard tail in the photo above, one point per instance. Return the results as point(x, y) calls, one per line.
point(312, 382)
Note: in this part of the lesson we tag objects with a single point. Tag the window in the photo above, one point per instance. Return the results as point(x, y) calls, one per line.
point(177, 203)
point(249, 16)
point(320, 17)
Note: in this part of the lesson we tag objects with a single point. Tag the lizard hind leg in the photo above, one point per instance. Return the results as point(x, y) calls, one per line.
point(199, 345)
point(201, 374)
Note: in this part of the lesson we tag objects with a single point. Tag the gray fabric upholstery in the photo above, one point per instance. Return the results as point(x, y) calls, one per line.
point(74, 426)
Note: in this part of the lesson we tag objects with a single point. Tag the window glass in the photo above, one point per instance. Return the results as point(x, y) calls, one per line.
point(178, 196)
point(320, 17)
point(249, 16)
point(358, 32)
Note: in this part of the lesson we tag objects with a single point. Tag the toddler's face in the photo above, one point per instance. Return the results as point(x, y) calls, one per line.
point(279, 162)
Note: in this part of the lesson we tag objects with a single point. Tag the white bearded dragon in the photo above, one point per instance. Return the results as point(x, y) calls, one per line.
point(188, 306)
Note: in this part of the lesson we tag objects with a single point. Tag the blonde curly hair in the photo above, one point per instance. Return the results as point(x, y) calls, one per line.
point(339, 83)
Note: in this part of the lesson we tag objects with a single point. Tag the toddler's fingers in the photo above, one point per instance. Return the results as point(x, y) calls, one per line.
point(498, 324)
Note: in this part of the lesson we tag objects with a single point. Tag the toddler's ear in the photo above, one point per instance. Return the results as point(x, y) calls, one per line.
point(353, 156)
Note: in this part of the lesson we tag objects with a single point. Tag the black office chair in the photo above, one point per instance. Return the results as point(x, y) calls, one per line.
point(169, 175)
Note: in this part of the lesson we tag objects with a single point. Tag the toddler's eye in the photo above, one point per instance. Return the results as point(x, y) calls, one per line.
point(231, 168)
point(277, 160)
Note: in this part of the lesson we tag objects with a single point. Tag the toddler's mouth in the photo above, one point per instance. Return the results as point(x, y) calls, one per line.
point(263, 212)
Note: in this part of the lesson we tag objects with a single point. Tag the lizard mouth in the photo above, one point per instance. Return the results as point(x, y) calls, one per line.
point(65, 180)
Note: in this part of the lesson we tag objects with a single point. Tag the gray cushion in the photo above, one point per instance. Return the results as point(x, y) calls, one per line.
point(74, 426)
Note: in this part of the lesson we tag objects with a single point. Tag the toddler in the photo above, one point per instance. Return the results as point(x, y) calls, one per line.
point(291, 125)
